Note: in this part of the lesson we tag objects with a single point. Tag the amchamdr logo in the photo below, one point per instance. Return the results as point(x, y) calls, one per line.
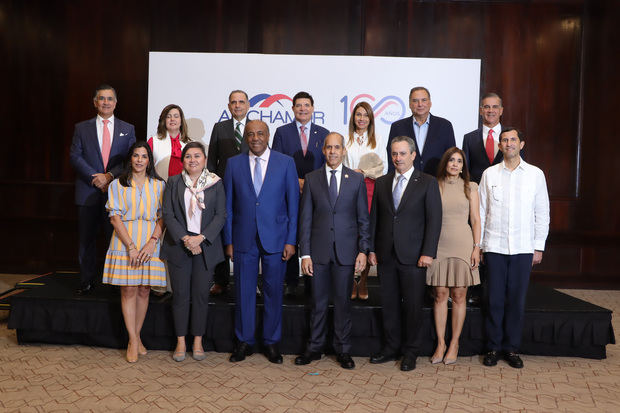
point(388, 109)
point(273, 109)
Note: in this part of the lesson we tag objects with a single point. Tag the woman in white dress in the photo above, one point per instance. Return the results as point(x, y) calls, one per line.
point(366, 154)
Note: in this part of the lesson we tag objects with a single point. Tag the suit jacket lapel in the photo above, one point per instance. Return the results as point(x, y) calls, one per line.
point(413, 181)
point(248, 178)
point(116, 140)
point(411, 132)
point(297, 133)
point(388, 190)
point(181, 197)
point(94, 140)
point(325, 185)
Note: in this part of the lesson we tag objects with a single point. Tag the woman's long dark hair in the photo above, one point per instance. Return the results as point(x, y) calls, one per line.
point(125, 178)
point(442, 173)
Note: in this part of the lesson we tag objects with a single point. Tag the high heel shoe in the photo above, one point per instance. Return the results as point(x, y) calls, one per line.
point(362, 287)
point(448, 361)
point(354, 290)
point(438, 359)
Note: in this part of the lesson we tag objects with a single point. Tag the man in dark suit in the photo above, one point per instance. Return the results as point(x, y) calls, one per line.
point(98, 151)
point(227, 141)
point(262, 201)
point(405, 223)
point(303, 141)
point(432, 135)
point(481, 146)
point(333, 243)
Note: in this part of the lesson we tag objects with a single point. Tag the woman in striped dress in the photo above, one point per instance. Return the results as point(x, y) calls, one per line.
point(132, 261)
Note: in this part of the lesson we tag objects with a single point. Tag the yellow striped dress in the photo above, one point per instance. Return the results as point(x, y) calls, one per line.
point(139, 209)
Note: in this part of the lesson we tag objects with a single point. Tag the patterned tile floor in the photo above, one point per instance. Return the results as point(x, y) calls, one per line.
point(50, 378)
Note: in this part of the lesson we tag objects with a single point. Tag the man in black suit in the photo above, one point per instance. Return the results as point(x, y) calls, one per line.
point(432, 135)
point(481, 145)
point(227, 141)
point(405, 223)
point(333, 243)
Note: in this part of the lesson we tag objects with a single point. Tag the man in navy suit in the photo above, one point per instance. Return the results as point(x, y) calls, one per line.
point(262, 201)
point(333, 243)
point(481, 146)
point(98, 151)
point(432, 135)
point(227, 141)
point(302, 140)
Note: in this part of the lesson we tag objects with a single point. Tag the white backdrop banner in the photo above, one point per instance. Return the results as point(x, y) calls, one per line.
point(201, 82)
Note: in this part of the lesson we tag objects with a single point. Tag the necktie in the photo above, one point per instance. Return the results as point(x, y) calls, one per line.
point(333, 187)
point(105, 144)
point(258, 176)
point(398, 191)
point(238, 136)
point(304, 139)
point(490, 146)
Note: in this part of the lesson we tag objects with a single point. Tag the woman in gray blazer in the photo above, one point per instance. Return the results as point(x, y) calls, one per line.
point(194, 210)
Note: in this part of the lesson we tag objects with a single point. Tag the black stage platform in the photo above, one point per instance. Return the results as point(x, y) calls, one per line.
point(48, 311)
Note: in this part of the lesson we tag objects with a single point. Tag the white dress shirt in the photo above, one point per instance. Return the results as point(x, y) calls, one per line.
point(263, 163)
point(355, 151)
point(242, 126)
point(407, 176)
point(514, 209)
point(99, 124)
point(420, 132)
point(497, 129)
point(338, 175)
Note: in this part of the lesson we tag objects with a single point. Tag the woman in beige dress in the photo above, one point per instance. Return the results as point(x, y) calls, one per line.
point(458, 252)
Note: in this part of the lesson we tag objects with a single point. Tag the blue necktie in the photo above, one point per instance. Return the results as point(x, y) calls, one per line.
point(258, 176)
point(398, 191)
point(333, 188)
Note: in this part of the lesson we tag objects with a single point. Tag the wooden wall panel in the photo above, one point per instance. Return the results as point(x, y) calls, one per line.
point(553, 62)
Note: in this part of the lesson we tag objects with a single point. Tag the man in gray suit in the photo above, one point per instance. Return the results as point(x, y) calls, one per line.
point(333, 242)
point(227, 141)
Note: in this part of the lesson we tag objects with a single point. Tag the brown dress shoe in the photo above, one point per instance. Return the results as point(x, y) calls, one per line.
point(217, 289)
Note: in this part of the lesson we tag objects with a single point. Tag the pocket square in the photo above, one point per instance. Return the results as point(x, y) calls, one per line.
point(123, 134)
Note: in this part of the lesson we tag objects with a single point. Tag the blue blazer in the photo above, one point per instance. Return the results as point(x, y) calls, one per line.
point(286, 141)
point(86, 157)
point(344, 225)
point(476, 155)
point(272, 214)
point(440, 137)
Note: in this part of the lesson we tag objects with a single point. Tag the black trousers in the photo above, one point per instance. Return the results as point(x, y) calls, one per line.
point(91, 219)
point(338, 280)
point(402, 292)
point(191, 281)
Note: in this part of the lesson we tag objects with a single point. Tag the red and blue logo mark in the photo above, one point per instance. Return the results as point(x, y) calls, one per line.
point(387, 109)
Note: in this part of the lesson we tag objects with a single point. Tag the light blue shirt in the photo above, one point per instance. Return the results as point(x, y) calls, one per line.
point(420, 132)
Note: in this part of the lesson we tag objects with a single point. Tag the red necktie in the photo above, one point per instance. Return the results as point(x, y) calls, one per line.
point(490, 146)
point(304, 139)
point(105, 144)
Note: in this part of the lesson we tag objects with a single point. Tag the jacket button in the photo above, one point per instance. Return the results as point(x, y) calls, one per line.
point(258, 203)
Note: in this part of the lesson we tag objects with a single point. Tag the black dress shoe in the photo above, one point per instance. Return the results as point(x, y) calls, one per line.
point(289, 291)
point(85, 289)
point(490, 359)
point(408, 363)
point(239, 354)
point(513, 360)
point(381, 358)
point(345, 360)
point(218, 289)
point(273, 354)
point(307, 357)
